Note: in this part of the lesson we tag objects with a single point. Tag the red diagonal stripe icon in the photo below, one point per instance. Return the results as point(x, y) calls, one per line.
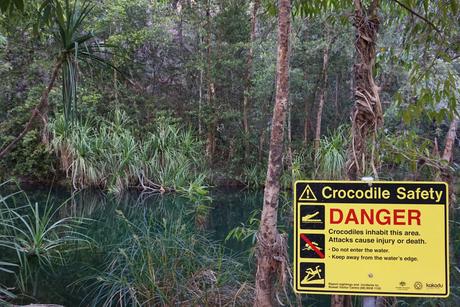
point(313, 246)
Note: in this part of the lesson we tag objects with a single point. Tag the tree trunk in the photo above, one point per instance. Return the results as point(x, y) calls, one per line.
point(367, 115)
point(248, 75)
point(341, 301)
point(322, 93)
point(307, 126)
point(43, 105)
point(445, 174)
point(450, 141)
point(210, 142)
point(336, 101)
point(261, 144)
point(306, 122)
point(249, 64)
point(200, 99)
point(289, 155)
point(271, 246)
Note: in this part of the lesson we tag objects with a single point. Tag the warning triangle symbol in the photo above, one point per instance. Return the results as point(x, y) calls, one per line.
point(307, 194)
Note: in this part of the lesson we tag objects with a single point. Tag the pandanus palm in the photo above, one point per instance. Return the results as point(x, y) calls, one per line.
point(66, 19)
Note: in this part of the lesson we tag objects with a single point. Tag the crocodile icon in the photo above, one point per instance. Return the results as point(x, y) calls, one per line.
point(309, 218)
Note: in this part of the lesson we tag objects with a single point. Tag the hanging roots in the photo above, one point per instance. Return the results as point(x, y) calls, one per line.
point(367, 115)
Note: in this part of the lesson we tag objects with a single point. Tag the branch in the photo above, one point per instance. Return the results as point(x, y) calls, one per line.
point(35, 112)
point(373, 7)
point(419, 16)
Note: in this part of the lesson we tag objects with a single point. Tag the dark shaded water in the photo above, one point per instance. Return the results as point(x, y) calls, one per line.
point(230, 208)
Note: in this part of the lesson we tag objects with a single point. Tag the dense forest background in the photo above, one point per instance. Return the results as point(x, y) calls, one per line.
point(186, 63)
point(178, 96)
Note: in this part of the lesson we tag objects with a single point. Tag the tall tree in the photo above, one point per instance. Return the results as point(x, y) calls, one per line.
point(210, 143)
point(322, 89)
point(271, 246)
point(248, 74)
point(68, 18)
point(367, 115)
point(448, 177)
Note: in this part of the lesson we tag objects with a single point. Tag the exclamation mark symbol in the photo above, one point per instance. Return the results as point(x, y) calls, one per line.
point(308, 194)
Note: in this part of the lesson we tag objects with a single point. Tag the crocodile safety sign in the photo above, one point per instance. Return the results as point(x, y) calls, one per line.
point(371, 238)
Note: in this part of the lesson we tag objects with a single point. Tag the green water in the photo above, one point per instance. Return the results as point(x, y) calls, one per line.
point(229, 209)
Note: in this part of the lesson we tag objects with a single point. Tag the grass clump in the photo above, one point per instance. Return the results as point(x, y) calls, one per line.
point(37, 235)
point(110, 156)
point(167, 263)
point(332, 155)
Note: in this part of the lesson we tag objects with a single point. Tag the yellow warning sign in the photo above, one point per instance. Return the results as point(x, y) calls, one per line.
point(307, 194)
point(371, 238)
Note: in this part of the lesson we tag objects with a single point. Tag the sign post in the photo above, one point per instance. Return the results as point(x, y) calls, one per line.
point(371, 238)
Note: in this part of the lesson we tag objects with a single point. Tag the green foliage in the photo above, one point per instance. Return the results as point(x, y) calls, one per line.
point(429, 53)
point(165, 262)
point(435, 95)
point(111, 157)
point(198, 194)
point(246, 231)
point(410, 154)
point(76, 46)
point(37, 235)
point(11, 5)
point(31, 160)
point(332, 154)
point(6, 267)
point(254, 177)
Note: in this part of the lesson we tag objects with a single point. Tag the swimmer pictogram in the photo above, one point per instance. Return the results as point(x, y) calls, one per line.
point(310, 248)
point(312, 245)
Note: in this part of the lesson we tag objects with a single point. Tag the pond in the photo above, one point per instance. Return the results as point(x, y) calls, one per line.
point(229, 209)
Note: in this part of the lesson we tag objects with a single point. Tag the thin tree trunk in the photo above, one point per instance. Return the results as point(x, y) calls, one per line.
point(211, 88)
point(261, 144)
point(248, 75)
point(445, 174)
point(180, 27)
point(450, 141)
point(336, 101)
point(306, 122)
point(289, 136)
point(271, 246)
point(309, 110)
point(43, 105)
point(322, 94)
point(262, 133)
point(200, 101)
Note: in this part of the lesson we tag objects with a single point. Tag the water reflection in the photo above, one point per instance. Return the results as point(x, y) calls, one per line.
point(229, 209)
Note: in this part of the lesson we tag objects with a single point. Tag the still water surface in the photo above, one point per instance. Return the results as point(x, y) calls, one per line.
point(229, 208)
